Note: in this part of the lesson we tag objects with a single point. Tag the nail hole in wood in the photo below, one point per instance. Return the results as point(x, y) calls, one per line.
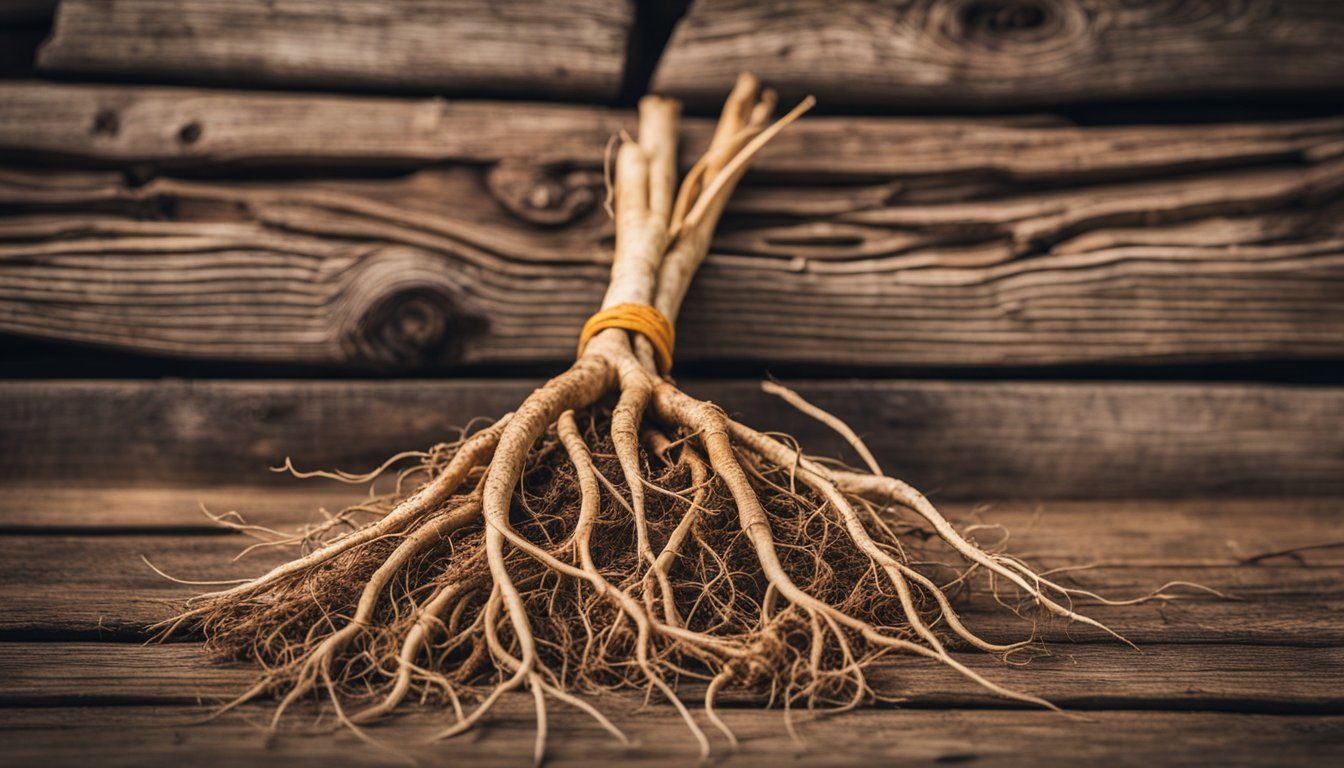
point(106, 123)
point(190, 133)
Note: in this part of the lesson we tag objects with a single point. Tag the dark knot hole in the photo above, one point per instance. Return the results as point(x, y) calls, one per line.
point(1003, 16)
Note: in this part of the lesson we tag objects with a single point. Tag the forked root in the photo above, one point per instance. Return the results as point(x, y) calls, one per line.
point(614, 533)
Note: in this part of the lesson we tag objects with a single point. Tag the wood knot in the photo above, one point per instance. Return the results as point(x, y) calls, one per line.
point(402, 307)
point(106, 123)
point(1002, 17)
point(190, 133)
point(545, 196)
point(1013, 26)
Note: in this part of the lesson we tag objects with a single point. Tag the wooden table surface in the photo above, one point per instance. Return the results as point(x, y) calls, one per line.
point(169, 189)
point(1253, 678)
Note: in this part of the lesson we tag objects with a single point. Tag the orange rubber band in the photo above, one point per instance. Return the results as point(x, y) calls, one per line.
point(639, 318)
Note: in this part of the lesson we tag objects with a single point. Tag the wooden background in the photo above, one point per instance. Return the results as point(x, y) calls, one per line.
point(1076, 268)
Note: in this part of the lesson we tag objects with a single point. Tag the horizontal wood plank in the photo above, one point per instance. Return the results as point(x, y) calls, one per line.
point(397, 275)
point(1149, 531)
point(1276, 652)
point(865, 242)
point(562, 49)
point(145, 125)
point(1206, 677)
point(141, 736)
point(117, 597)
point(947, 242)
point(1128, 548)
point(991, 54)
point(955, 440)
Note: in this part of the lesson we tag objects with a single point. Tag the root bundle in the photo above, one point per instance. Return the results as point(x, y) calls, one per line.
point(615, 533)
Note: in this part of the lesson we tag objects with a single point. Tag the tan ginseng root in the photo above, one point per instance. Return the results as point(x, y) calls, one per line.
point(616, 533)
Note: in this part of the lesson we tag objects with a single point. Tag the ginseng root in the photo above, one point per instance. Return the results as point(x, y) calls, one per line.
point(614, 532)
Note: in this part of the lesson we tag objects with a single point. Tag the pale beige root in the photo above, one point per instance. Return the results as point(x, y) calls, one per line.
point(709, 422)
point(318, 664)
point(851, 437)
point(888, 490)
point(469, 457)
point(616, 533)
point(705, 202)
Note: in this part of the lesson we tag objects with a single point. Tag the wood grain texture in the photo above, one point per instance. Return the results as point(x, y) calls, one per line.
point(563, 49)
point(143, 125)
point(1254, 681)
point(50, 506)
point(872, 54)
point(1127, 548)
point(141, 736)
point(967, 440)
point(149, 124)
point(879, 242)
point(1211, 677)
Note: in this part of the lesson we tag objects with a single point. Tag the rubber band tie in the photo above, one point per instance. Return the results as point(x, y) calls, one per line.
point(637, 318)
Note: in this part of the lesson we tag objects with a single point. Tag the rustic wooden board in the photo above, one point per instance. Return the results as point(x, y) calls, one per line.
point(1151, 532)
point(145, 125)
point(116, 596)
point(988, 53)
point(140, 736)
point(866, 242)
point(562, 49)
point(51, 506)
point(427, 271)
point(1265, 679)
point(967, 440)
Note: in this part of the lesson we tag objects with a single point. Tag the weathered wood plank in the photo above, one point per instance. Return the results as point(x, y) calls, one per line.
point(564, 49)
point(883, 243)
point(1162, 531)
point(149, 510)
point(1208, 677)
point(138, 737)
point(396, 275)
point(994, 54)
point(150, 124)
point(146, 125)
point(967, 440)
point(1135, 546)
point(114, 595)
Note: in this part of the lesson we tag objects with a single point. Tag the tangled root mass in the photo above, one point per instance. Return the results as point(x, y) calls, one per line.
point(616, 533)
point(585, 641)
point(413, 613)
